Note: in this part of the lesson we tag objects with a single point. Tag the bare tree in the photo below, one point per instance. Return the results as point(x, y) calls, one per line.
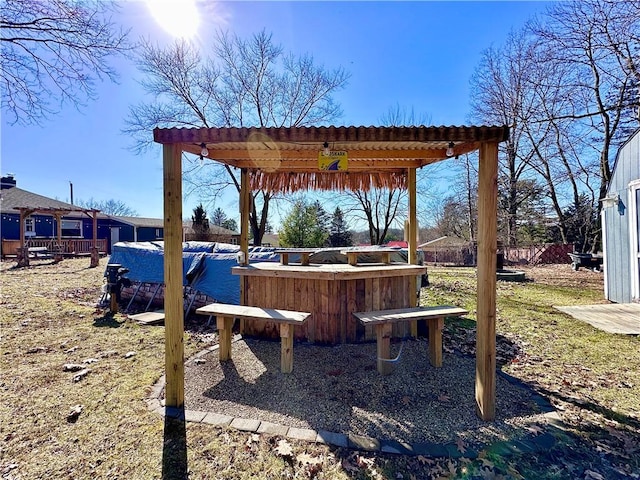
point(400, 116)
point(623, 38)
point(379, 208)
point(501, 98)
point(52, 52)
point(109, 207)
point(245, 83)
point(450, 218)
point(596, 40)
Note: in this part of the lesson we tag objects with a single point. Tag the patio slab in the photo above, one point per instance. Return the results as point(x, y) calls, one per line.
point(622, 318)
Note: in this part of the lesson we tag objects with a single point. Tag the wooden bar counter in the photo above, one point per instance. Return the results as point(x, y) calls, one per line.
point(331, 293)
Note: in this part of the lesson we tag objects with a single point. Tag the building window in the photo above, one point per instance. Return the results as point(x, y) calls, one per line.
point(234, 241)
point(29, 227)
point(72, 228)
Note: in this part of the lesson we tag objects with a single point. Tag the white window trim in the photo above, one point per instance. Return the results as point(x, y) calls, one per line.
point(634, 187)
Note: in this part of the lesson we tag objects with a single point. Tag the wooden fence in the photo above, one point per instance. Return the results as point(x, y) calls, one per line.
point(465, 255)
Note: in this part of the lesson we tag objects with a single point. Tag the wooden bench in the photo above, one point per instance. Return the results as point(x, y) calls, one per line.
point(383, 320)
point(38, 250)
point(303, 252)
point(287, 320)
point(384, 253)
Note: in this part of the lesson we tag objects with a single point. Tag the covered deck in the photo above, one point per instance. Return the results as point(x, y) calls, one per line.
point(57, 246)
point(285, 160)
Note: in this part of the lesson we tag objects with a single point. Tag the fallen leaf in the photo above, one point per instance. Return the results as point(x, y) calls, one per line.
point(284, 449)
point(349, 467)
point(81, 374)
point(444, 398)
point(591, 475)
point(74, 413)
point(462, 447)
point(535, 429)
point(72, 367)
point(406, 400)
point(486, 462)
point(365, 462)
point(254, 438)
point(335, 373)
point(306, 459)
point(37, 350)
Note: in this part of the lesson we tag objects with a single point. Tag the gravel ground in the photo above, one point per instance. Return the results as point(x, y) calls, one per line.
point(337, 388)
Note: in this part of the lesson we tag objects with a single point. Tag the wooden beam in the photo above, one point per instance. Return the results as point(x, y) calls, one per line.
point(225, 326)
point(413, 221)
point(173, 302)
point(95, 254)
point(383, 347)
point(57, 254)
point(412, 242)
point(311, 154)
point(245, 207)
point(486, 302)
point(23, 252)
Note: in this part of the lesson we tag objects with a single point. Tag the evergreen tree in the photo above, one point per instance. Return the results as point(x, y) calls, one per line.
point(320, 231)
point(200, 223)
point(218, 217)
point(305, 226)
point(339, 234)
point(230, 224)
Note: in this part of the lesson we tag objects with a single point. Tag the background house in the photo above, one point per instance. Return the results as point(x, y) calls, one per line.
point(131, 229)
point(216, 234)
point(76, 225)
point(621, 226)
point(449, 251)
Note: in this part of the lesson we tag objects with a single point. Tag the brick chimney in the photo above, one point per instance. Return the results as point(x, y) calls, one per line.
point(8, 181)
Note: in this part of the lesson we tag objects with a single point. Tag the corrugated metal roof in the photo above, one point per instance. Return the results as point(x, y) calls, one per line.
point(286, 159)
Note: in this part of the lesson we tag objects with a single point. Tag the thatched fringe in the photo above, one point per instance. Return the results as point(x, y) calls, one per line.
point(287, 182)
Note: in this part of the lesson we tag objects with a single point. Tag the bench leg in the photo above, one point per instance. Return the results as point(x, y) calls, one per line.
point(435, 340)
point(383, 335)
point(225, 325)
point(286, 349)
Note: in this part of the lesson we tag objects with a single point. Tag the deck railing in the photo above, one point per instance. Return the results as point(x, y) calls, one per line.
point(68, 246)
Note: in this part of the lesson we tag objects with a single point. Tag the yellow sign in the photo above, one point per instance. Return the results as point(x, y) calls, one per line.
point(334, 161)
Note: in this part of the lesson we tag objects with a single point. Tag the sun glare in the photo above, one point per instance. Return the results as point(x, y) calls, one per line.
point(179, 18)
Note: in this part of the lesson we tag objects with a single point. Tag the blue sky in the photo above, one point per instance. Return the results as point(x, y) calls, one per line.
point(418, 55)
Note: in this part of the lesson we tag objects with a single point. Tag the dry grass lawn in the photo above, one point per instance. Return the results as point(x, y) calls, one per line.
point(49, 318)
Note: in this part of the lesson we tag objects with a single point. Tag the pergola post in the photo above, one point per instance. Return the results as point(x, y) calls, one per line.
point(412, 242)
point(245, 206)
point(173, 302)
point(57, 251)
point(486, 301)
point(245, 202)
point(23, 251)
point(95, 254)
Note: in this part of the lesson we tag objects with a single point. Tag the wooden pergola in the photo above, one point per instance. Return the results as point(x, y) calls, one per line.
point(57, 213)
point(288, 159)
